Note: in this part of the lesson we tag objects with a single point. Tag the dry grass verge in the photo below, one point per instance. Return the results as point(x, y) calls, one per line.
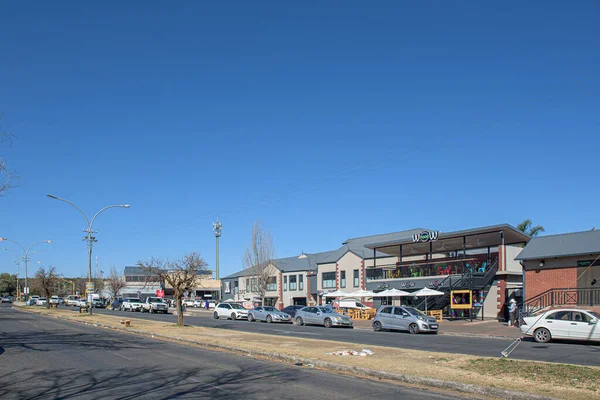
point(544, 379)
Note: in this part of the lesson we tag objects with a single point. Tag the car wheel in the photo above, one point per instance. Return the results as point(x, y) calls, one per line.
point(269, 319)
point(542, 335)
point(215, 315)
point(251, 318)
point(413, 328)
point(233, 318)
point(328, 323)
point(377, 326)
point(299, 321)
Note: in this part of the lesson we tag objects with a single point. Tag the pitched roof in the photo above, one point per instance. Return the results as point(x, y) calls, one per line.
point(563, 245)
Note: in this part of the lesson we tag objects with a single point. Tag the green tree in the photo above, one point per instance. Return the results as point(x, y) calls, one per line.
point(528, 228)
point(8, 284)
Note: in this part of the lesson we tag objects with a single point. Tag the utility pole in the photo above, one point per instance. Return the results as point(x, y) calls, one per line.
point(217, 228)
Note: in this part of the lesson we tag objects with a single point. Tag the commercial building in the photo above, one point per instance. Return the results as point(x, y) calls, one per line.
point(480, 261)
point(562, 270)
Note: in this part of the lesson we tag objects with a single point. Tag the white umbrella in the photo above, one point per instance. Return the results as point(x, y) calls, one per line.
point(392, 293)
point(337, 293)
point(426, 292)
point(361, 293)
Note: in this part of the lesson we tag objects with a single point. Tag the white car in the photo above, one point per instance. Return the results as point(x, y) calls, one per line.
point(71, 300)
point(573, 324)
point(188, 302)
point(132, 305)
point(80, 303)
point(230, 310)
point(41, 301)
point(54, 300)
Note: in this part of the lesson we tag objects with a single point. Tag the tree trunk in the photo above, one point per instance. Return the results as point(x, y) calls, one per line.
point(48, 299)
point(179, 312)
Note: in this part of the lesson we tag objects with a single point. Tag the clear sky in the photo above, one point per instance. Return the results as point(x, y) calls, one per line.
point(326, 120)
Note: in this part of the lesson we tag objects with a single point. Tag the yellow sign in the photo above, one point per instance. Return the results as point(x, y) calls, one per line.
point(461, 299)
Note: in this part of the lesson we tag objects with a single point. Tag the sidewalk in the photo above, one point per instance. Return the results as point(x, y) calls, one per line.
point(487, 328)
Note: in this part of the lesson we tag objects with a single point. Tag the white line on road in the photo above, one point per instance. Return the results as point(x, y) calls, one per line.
point(297, 333)
point(121, 355)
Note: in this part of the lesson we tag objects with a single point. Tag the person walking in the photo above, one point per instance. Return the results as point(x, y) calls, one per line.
point(512, 312)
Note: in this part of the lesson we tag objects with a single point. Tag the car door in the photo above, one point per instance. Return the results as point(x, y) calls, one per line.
point(385, 317)
point(223, 310)
point(400, 318)
point(258, 314)
point(559, 324)
point(581, 327)
point(310, 315)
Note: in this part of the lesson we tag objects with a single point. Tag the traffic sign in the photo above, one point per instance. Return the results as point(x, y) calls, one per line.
point(89, 287)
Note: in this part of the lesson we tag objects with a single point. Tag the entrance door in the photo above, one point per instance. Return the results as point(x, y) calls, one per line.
point(300, 301)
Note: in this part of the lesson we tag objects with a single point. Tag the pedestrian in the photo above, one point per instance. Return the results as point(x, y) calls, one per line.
point(512, 312)
point(206, 305)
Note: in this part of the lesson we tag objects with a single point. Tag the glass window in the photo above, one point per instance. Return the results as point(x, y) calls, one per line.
point(398, 311)
point(386, 301)
point(254, 285)
point(301, 282)
point(386, 310)
point(272, 284)
point(328, 280)
point(356, 278)
point(374, 273)
point(580, 317)
point(284, 283)
point(293, 279)
point(559, 315)
point(343, 279)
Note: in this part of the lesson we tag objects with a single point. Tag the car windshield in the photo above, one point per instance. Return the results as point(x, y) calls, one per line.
point(326, 310)
point(270, 309)
point(133, 300)
point(413, 311)
point(156, 300)
point(237, 307)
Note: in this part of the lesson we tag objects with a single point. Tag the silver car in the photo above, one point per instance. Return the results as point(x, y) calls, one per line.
point(405, 319)
point(325, 316)
point(269, 314)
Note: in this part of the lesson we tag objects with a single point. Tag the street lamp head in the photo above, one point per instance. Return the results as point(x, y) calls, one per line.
point(52, 196)
point(48, 241)
point(125, 206)
point(3, 239)
point(217, 228)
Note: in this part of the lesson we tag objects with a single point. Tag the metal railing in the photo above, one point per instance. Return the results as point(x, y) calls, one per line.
point(562, 297)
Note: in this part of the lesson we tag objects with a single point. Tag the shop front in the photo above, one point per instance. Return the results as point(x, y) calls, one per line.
point(479, 261)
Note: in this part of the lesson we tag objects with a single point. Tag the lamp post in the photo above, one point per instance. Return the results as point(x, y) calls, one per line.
point(217, 228)
point(26, 259)
point(91, 239)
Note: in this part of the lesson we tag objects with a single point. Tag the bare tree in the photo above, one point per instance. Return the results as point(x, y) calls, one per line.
point(8, 179)
point(46, 280)
point(116, 282)
point(180, 274)
point(258, 261)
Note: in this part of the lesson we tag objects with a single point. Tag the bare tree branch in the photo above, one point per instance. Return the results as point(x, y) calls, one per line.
point(116, 282)
point(46, 280)
point(180, 274)
point(8, 179)
point(258, 261)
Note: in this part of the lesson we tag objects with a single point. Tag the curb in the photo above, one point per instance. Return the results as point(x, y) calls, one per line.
point(469, 335)
point(326, 365)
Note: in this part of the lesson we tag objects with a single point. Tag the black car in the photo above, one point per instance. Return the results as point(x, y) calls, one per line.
point(116, 304)
point(291, 310)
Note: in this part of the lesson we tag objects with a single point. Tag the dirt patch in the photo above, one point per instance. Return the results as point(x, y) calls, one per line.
point(545, 379)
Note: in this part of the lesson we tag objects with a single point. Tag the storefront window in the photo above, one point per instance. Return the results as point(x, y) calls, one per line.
point(293, 282)
point(386, 301)
point(301, 282)
point(356, 278)
point(343, 279)
point(328, 280)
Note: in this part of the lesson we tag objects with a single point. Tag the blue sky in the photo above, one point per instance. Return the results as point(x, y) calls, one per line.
point(324, 120)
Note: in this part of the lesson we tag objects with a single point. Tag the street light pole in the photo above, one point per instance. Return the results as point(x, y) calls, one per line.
point(26, 259)
point(217, 228)
point(90, 239)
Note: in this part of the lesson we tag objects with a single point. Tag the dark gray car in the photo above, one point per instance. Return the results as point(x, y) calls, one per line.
point(404, 318)
point(325, 316)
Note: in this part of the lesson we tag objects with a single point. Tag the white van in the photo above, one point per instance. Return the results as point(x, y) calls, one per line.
point(352, 304)
point(71, 300)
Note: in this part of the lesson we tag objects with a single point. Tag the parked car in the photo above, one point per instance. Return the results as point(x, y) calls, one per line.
point(7, 299)
point(61, 301)
point(268, 314)
point(81, 302)
point(97, 303)
point(188, 302)
point(198, 303)
point(353, 304)
point(155, 305)
point(570, 324)
point(41, 301)
point(116, 304)
point(325, 316)
point(71, 300)
point(230, 310)
point(405, 319)
point(291, 310)
point(131, 305)
point(54, 300)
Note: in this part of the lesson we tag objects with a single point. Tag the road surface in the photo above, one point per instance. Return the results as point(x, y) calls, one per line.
point(563, 352)
point(45, 358)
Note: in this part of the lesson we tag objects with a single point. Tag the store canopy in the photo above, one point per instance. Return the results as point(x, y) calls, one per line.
point(360, 293)
point(392, 293)
point(337, 293)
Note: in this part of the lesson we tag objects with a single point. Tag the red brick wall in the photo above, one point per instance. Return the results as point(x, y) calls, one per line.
point(337, 277)
point(363, 278)
point(280, 291)
point(501, 296)
point(538, 281)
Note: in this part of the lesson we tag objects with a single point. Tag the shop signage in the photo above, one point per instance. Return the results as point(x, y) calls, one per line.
point(406, 284)
point(227, 287)
point(89, 287)
point(425, 236)
point(587, 263)
point(160, 293)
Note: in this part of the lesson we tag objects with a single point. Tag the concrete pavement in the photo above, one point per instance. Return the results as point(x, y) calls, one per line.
point(563, 352)
point(50, 359)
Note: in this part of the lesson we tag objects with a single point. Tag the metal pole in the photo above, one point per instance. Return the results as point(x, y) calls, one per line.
point(217, 267)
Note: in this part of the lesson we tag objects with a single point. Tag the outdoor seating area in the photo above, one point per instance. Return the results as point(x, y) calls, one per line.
point(440, 267)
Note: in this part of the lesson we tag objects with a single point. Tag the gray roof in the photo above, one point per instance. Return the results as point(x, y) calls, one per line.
point(358, 245)
point(563, 245)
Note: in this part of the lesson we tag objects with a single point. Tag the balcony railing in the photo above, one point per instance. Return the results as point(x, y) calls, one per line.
point(436, 268)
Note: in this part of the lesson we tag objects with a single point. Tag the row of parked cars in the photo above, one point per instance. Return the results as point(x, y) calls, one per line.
point(151, 304)
point(387, 317)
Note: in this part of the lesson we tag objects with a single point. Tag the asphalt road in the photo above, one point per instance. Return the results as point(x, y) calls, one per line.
point(563, 352)
point(43, 358)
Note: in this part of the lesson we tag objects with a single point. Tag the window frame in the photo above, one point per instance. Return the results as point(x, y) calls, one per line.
point(356, 278)
point(295, 282)
point(300, 282)
point(285, 283)
point(342, 279)
point(331, 282)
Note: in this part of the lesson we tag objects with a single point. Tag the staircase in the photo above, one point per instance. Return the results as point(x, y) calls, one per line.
point(467, 281)
point(578, 297)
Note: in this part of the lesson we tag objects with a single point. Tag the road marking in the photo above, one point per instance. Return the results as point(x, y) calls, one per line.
point(30, 323)
point(121, 355)
point(297, 333)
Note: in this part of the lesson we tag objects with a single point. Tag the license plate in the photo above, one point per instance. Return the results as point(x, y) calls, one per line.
point(433, 326)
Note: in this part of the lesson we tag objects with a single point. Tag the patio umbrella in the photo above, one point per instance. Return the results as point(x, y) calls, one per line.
point(392, 293)
point(337, 293)
point(426, 292)
point(360, 293)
